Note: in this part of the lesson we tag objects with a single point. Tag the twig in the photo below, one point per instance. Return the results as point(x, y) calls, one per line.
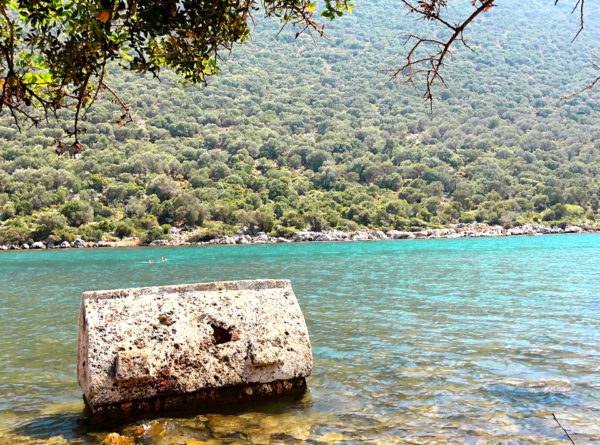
point(430, 65)
point(590, 86)
point(570, 438)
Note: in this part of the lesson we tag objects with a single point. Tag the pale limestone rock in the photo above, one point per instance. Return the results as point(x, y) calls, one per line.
point(79, 243)
point(305, 235)
point(378, 234)
point(397, 234)
point(361, 235)
point(144, 343)
point(242, 239)
point(573, 229)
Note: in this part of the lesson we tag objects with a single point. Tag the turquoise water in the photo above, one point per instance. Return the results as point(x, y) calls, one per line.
point(432, 341)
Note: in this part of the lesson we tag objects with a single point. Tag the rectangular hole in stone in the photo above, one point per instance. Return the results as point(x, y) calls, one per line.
point(220, 335)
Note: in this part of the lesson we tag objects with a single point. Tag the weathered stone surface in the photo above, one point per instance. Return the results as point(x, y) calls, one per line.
point(188, 346)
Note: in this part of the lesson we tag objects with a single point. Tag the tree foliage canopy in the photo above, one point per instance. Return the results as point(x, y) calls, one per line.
point(55, 52)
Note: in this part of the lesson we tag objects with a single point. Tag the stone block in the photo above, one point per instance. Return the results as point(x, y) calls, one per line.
point(190, 346)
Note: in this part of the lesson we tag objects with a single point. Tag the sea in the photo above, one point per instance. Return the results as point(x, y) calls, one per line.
point(458, 341)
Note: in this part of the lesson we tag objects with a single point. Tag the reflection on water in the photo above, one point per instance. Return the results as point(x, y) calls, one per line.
point(433, 341)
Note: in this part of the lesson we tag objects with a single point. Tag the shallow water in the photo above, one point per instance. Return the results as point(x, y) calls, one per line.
point(433, 341)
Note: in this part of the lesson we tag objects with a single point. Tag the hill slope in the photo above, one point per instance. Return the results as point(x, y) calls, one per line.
point(293, 135)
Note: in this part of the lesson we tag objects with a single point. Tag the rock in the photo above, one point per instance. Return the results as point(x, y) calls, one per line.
point(242, 239)
point(262, 238)
point(38, 245)
point(397, 234)
point(117, 439)
point(79, 243)
point(51, 244)
point(304, 236)
point(25, 246)
point(339, 235)
point(149, 431)
point(361, 235)
point(324, 237)
point(159, 242)
point(378, 234)
point(447, 232)
point(3, 247)
point(227, 240)
point(148, 350)
point(65, 245)
point(573, 229)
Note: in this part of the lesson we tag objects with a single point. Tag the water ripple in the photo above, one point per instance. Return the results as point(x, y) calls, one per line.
point(434, 341)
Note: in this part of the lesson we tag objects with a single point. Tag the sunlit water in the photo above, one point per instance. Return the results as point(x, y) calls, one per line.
point(433, 341)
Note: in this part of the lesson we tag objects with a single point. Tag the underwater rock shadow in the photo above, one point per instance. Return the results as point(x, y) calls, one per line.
point(69, 425)
point(74, 425)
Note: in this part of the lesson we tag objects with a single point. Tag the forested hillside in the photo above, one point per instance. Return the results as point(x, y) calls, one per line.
point(297, 133)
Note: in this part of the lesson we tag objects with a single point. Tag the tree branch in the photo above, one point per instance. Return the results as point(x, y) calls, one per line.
point(564, 430)
point(431, 64)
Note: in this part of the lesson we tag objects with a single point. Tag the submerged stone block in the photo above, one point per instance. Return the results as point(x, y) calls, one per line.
point(145, 350)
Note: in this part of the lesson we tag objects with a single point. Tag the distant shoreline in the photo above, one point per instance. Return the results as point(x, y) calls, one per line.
point(306, 236)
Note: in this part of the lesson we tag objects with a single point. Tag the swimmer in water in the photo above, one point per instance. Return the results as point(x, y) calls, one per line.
point(162, 258)
point(149, 260)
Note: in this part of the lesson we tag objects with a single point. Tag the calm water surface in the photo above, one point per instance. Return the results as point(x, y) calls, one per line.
point(434, 341)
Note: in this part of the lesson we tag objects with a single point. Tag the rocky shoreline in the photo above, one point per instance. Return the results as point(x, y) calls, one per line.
point(179, 238)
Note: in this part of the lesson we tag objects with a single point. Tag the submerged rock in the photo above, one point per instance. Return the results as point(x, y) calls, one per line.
point(117, 439)
point(190, 346)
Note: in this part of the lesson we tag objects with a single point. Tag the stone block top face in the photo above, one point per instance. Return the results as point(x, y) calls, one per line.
point(146, 342)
